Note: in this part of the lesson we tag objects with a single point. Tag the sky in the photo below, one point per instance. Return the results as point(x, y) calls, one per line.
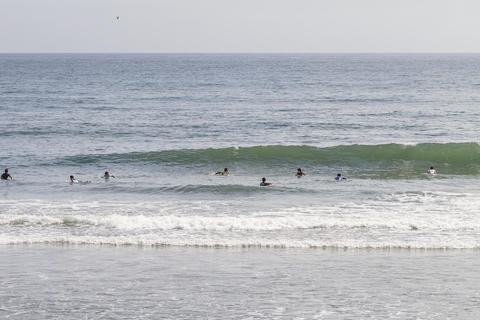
point(241, 26)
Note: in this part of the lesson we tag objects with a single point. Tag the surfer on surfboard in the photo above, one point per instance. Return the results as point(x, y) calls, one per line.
point(225, 172)
point(300, 173)
point(73, 180)
point(6, 175)
point(264, 183)
point(107, 175)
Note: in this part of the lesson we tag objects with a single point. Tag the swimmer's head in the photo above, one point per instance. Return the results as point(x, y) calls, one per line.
point(431, 168)
point(6, 170)
point(225, 170)
point(339, 174)
point(106, 173)
point(263, 179)
point(299, 169)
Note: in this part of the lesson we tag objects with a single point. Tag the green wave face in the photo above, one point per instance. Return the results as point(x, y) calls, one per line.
point(396, 160)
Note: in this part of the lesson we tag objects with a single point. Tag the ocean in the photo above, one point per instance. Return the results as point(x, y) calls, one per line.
point(163, 124)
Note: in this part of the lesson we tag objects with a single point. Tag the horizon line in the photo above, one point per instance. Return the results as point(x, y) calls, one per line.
point(246, 53)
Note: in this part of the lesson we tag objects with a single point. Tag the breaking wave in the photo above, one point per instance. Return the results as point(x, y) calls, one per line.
point(453, 158)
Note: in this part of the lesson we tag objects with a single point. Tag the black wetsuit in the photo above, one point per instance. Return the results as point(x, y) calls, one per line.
point(5, 176)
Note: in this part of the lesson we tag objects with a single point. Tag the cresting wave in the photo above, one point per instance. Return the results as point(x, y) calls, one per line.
point(453, 158)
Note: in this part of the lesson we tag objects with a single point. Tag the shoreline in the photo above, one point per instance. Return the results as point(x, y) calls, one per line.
point(228, 248)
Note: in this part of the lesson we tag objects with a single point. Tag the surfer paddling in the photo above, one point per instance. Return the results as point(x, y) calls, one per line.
point(264, 183)
point(73, 180)
point(225, 172)
point(300, 173)
point(108, 175)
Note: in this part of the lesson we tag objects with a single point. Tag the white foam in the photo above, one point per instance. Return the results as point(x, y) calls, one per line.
point(156, 240)
point(386, 220)
point(417, 220)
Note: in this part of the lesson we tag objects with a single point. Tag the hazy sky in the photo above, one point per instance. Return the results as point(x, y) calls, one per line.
point(240, 26)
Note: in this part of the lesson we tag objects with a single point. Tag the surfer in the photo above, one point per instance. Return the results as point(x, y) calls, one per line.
point(73, 180)
point(6, 175)
point(300, 173)
point(432, 171)
point(107, 175)
point(225, 172)
point(339, 177)
point(264, 183)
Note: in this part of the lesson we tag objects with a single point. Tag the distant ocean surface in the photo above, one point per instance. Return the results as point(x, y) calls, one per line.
point(164, 123)
point(168, 239)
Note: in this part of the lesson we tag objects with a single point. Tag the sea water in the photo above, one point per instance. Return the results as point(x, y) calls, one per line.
point(163, 124)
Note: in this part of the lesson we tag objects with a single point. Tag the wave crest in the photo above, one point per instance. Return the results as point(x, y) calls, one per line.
point(453, 158)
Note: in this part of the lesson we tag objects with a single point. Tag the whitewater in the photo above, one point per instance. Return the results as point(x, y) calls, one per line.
point(172, 198)
point(167, 238)
point(380, 120)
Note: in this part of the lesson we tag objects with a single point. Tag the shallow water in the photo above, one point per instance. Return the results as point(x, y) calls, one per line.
point(40, 282)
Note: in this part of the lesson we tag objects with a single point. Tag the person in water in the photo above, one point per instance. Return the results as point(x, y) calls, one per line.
point(73, 180)
point(339, 177)
point(264, 183)
point(6, 175)
point(107, 175)
point(300, 173)
point(225, 172)
point(432, 171)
